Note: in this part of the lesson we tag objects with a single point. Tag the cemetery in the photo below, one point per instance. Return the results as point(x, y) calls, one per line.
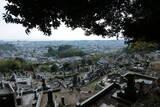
point(117, 81)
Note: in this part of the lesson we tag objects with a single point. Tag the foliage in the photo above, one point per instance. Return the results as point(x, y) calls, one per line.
point(136, 19)
point(63, 76)
point(71, 52)
point(93, 59)
point(143, 25)
point(51, 52)
point(54, 68)
point(70, 66)
point(80, 13)
point(143, 46)
point(10, 65)
point(21, 60)
point(64, 47)
point(65, 51)
point(28, 67)
point(43, 68)
point(16, 64)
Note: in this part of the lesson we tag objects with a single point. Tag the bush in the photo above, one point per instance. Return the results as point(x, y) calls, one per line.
point(143, 46)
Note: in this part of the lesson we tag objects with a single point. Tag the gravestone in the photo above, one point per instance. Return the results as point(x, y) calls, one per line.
point(44, 87)
point(50, 99)
point(75, 80)
point(1, 85)
point(130, 91)
point(8, 100)
point(62, 100)
point(35, 95)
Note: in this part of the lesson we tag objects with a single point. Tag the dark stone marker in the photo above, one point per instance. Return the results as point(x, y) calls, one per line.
point(8, 100)
point(62, 100)
point(44, 84)
point(35, 95)
point(130, 91)
point(74, 80)
point(50, 99)
point(1, 85)
point(19, 101)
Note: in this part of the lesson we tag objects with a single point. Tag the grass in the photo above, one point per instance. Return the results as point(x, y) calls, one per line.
point(92, 85)
point(64, 76)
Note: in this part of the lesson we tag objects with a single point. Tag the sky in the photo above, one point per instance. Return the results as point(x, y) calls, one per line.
point(17, 32)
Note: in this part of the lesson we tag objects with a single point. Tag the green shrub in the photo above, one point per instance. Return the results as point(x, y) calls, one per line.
point(143, 46)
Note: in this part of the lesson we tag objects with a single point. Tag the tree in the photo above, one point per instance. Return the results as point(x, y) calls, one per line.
point(21, 60)
point(9, 65)
point(142, 46)
point(54, 68)
point(64, 47)
point(51, 52)
point(65, 51)
point(143, 25)
point(136, 19)
point(43, 68)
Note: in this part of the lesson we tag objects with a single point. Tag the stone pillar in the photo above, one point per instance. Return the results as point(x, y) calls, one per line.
point(130, 90)
point(35, 95)
point(19, 101)
point(74, 80)
point(141, 89)
point(50, 99)
point(44, 84)
point(1, 85)
point(78, 104)
point(62, 100)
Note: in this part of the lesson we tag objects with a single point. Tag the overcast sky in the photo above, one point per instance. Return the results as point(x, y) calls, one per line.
point(17, 32)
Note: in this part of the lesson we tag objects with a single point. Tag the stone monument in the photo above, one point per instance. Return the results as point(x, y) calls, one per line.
point(130, 91)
